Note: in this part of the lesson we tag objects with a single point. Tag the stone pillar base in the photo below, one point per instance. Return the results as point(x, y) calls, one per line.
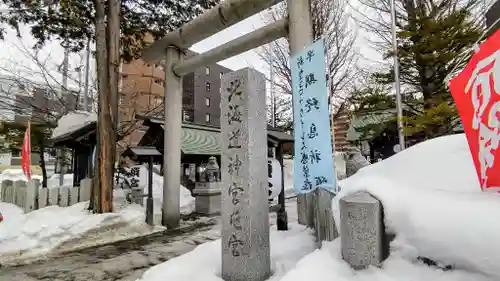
point(208, 198)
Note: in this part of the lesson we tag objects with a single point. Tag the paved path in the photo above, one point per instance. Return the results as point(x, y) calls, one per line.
point(122, 261)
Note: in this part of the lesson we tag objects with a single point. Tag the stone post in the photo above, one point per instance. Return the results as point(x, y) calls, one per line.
point(245, 211)
point(31, 202)
point(20, 191)
point(85, 189)
point(324, 224)
point(361, 230)
point(6, 192)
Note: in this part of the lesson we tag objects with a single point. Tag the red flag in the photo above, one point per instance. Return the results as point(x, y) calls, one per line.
point(26, 153)
point(476, 91)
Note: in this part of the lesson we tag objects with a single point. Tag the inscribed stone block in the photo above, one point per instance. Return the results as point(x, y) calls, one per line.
point(43, 198)
point(85, 189)
point(245, 211)
point(54, 196)
point(64, 196)
point(361, 230)
point(31, 202)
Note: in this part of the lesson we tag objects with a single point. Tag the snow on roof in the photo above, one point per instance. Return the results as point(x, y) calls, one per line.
point(73, 121)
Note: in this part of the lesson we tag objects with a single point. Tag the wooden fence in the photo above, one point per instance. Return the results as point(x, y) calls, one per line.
point(31, 196)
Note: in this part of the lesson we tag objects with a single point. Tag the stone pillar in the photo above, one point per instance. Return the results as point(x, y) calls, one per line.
point(54, 196)
point(361, 230)
point(64, 196)
point(172, 140)
point(31, 202)
point(74, 192)
point(43, 198)
point(6, 192)
point(20, 193)
point(324, 224)
point(245, 211)
point(85, 189)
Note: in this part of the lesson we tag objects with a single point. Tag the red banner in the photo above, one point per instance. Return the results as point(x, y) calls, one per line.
point(26, 153)
point(476, 91)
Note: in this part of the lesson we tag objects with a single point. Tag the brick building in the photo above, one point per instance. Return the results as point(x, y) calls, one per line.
point(142, 90)
point(341, 123)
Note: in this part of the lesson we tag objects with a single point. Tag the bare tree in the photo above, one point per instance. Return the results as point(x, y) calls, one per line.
point(280, 106)
point(330, 22)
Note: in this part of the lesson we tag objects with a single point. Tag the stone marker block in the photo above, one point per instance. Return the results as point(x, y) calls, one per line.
point(20, 193)
point(324, 224)
point(74, 193)
point(208, 198)
point(85, 189)
point(43, 198)
point(54, 196)
point(64, 196)
point(361, 230)
point(10, 194)
point(245, 211)
point(31, 202)
point(5, 196)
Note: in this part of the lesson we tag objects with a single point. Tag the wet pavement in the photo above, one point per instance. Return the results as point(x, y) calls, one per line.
point(121, 261)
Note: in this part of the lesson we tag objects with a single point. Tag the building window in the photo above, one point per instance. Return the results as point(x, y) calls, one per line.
point(207, 101)
point(207, 118)
point(220, 75)
point(207, 86)
point(207, 70)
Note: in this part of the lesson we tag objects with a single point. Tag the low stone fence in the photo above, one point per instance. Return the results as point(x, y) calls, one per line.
point(31, 196)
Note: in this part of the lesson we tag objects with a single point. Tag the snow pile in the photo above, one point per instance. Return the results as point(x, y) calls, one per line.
point(187, 201)
point(72, 122)
point(433, 203)
point(288, 247)
point(327, 264)
point(53, 181)
point(54, 228)
point(16, 175)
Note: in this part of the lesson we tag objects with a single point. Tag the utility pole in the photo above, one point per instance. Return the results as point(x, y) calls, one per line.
point(397, 84)
point(273, 97)
point(301, 36)
point(62, 96)
point(87, 73)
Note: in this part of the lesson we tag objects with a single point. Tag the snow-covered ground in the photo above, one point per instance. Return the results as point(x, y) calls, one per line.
point(24, 236)
point(433, 204)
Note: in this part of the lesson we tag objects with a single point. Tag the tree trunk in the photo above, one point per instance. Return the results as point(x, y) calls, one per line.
point(42, 163)
point(104, 129)
point(113, 80)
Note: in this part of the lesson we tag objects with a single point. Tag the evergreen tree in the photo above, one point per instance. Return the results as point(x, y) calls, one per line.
point(432, 37)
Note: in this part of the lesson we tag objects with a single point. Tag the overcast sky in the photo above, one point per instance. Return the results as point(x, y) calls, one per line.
point(15, 55)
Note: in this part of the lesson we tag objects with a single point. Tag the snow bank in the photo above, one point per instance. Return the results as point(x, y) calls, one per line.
point(288, 247)
point(16, 175)
point(187, 201)
point(41, 231)
point(327, 264)
point(433, 203)
point(72, 122)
